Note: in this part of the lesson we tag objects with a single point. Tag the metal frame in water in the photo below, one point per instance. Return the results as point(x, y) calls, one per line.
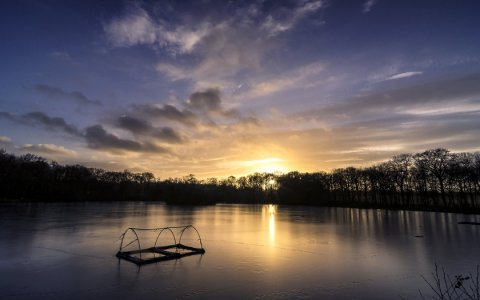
point(158, 253)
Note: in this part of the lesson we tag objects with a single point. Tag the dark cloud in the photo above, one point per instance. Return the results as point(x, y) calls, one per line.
point(208, 100)
point(168, 112)
point(134, 125)
point(142, 127)
point(98, 138)
point(8, 116)
point(51, 123)
point(53, 92)
point(201, 107)
point(37, 118)
point(168, 134)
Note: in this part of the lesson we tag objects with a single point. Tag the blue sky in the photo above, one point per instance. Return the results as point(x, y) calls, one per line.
point(216, 88)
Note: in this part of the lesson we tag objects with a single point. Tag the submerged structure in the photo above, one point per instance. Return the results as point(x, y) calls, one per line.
point(149, 251)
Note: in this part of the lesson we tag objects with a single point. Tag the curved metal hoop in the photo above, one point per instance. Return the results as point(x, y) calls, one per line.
point(185, 228)
point(162, 230)
point(131, 242)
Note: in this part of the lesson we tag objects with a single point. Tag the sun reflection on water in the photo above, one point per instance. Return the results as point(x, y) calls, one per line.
point(271, 211)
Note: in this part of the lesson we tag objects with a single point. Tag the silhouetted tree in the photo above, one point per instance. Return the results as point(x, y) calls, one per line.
point(434, 179)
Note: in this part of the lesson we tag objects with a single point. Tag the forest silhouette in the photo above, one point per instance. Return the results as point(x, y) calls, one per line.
point(435, 179)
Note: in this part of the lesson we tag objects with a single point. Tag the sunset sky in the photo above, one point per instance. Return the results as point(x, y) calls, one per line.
point(218, 88)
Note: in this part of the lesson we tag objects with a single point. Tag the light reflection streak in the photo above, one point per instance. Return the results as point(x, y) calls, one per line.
point(272, 210)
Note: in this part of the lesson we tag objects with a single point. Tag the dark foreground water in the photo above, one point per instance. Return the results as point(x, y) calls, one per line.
point(67, 251)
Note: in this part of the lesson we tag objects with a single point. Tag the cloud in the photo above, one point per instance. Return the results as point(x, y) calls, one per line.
point(367, 6)
point(288, 80)
point(182, 39)
point(143, 128)
point(445, 92)
point(229, 49)
point(404, 75)
point(53, 92)
point(442, 112)
point(48, 149)
point(276, 25)
point(137, 27)
point(98, 138)
point(208, 106)
point(222, 54)
point(366, 141)
point(12, 117)
point(174, 73)
point(205, 117)
point(39, 118)
point(168, 134)
point(5, 139)
point(167, 112)
point(50, 123)
point(215, 44)
point(134, 125)
point(208, 100)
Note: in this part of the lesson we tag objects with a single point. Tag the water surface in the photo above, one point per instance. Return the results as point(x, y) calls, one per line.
point(59, 251)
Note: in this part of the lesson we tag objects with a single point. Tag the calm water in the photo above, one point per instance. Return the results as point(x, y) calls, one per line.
point(60, 251)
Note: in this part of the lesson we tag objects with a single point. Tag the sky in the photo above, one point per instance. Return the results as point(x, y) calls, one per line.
point(219, 88)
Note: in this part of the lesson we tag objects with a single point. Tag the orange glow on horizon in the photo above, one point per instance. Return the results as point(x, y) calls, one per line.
point(269, 165)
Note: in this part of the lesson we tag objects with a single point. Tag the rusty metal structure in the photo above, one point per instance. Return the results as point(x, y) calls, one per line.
point(155, 253)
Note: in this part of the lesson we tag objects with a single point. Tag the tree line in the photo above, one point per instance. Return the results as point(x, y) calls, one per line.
point(435, 179)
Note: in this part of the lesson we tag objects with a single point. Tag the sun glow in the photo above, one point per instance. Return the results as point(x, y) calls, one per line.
point(270, 165)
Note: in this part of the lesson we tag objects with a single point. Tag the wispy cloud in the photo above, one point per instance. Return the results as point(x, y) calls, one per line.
point(276, 25)
point(53, 92)
point(135, 27)
point(404, 75)
point(222, 55)
point(138, 27)
point(298, 78)
point(173, 72)
point(442, 92)
point(5, 139)
point(367, 6)
point(218, 48)
point(48, 150)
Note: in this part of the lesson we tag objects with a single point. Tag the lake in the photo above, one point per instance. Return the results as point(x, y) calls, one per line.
point(60, 251)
